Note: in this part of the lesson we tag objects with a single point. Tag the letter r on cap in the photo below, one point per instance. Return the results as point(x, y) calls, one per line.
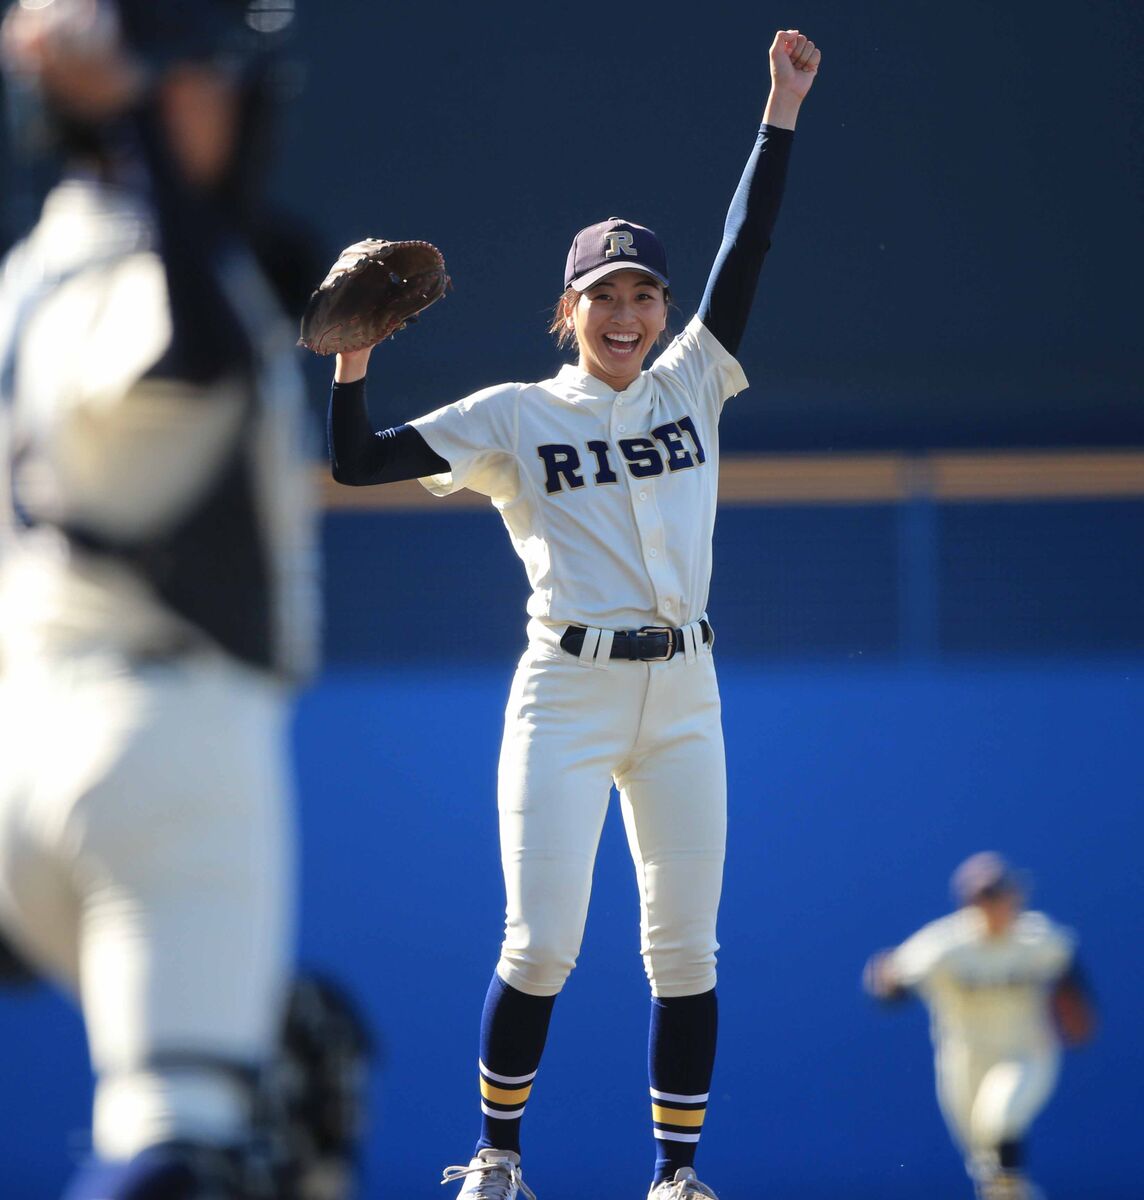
point(619, 242)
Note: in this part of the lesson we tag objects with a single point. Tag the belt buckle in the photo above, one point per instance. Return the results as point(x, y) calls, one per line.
point(665, 629)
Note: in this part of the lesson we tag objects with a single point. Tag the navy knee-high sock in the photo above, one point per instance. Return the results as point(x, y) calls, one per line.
point(514, 1027)
point(681, 1058)
point(1010, 1155)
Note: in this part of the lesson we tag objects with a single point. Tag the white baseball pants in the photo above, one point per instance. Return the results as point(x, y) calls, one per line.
point(572, 727)
point(145, 863)
point(988, 1098)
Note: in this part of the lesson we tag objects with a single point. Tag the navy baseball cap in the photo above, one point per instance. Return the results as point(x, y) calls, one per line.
point(985, 874)
point(610, 246)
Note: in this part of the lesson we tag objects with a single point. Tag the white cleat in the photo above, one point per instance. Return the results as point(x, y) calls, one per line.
point(683, 1187)
point(492, 1175)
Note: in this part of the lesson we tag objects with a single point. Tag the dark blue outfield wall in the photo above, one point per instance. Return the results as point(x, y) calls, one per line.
point(868, 753)
point(916, 581)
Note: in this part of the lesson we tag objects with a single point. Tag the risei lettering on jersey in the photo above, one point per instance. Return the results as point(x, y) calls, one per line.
point(673, 446)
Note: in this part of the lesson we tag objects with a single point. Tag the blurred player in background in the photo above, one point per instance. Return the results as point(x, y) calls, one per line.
point(158, 601)
point(1004, 992)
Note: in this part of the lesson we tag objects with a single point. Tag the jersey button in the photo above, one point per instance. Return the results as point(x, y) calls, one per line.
point(622, 428)
point(643, 495)
point(652, 552)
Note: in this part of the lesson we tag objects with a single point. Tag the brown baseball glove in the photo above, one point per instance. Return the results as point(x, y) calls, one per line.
point(1073, 1012)
point(373, 290)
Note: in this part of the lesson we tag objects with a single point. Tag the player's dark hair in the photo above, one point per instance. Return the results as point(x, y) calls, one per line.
point(566, 336)
point(559, 327)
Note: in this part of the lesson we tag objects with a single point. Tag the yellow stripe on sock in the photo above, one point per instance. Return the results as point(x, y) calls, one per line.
point(501, 1095)
point(677, 1116)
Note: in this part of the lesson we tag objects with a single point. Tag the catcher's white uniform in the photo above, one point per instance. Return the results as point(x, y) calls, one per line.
point(997, 1052)
point(157, 588)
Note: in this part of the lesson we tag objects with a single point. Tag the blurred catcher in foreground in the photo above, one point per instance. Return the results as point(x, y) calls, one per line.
point(1004, 992)
point(158, 601)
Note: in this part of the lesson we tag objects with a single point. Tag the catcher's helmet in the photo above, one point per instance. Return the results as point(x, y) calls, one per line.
point(244, 39)
point(234, 33)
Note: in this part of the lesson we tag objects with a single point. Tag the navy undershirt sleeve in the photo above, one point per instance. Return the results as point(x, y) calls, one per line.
point(359, 455)
point(726, 302)
point(208, 340)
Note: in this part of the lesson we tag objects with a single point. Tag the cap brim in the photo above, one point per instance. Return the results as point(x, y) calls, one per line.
point(586, 281)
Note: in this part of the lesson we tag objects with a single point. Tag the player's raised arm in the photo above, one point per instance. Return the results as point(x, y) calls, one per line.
point(730, 291)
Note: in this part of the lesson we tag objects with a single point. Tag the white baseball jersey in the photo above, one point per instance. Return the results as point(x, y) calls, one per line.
point(986, 991)
point(96, 447)
point(609, 497)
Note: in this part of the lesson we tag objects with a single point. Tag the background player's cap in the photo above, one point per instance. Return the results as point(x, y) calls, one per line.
point(613, 245)
point(985, 874)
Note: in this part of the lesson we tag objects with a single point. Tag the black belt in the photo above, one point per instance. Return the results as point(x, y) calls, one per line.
point(652, 643)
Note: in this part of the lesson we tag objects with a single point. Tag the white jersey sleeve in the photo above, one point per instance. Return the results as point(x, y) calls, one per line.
point(697, 366)
point(921, 955)
point(478, 438)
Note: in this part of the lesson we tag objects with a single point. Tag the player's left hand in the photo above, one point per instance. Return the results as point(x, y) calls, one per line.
point(794, 62)
point(879, 980)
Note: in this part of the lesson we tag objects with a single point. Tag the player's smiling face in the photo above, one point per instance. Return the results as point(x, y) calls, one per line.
point(617, 322)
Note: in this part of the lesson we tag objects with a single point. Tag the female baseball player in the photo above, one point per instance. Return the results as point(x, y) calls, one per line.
point(1003, 990)
point(606, 479)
